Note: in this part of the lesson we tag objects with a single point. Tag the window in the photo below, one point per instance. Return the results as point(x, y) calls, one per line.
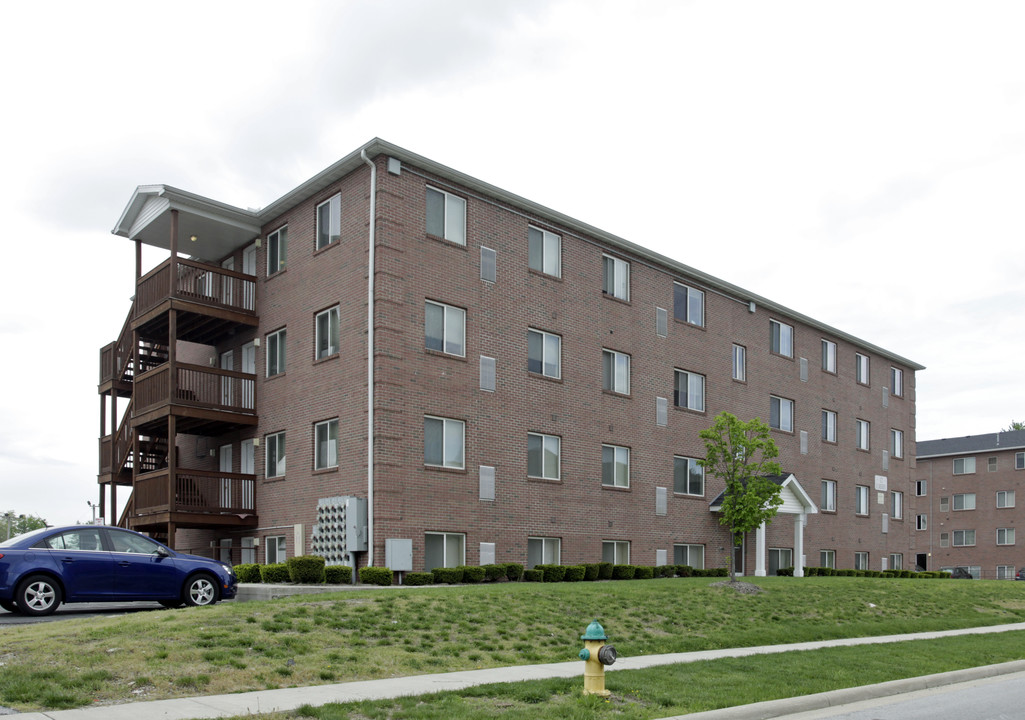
point(688, 476)
point(1019, 461)
point(693, 555)
point(276, 455)
point(615, 466)
point(861, 373)
point(443, 442)
point(688, 305)
point(276, 549)
point(991, 464)
point(446, 216)
point(964, 466)
point(1005, 572)
point(782, 338)
point(896, 382)
point(780, 558)
point(615, 372)
point(544, 353)
point(829, 356)
point(896, 561)
point(964, 538)
point(327, 333)
point(897, 505)
point(1005, 536)
point(445, 328)
point(615, 277)
point(329, 221)
point(488, 264)
point(443, 549)
point(862, 430)
point(922, 522)
point(689, 391)
point(1005, 499)
point(277, 250)
point(781, 413)
point(861, 561)
point(276, 353)
point(861, 500)
point(616, 552)
point(544, 250)
point(740, 363)
point(944, 504)
point(543, 456)
point(543, 551)
point(829, 426)
point(964, 501)
point(828, 496)
point(827, 558)
point(326, 444)
point(921, 488)
point(896, 443)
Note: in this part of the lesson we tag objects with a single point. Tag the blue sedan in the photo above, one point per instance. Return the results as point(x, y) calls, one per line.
point(93, 563)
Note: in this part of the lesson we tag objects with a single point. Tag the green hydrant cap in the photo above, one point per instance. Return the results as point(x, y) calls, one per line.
point(594, 632)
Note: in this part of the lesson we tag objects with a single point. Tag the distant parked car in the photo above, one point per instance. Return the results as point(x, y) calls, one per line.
point(1020, 575)
point(961, 573)
point(94, 563)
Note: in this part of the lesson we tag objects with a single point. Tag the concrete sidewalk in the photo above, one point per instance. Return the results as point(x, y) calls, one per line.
point(265, 701)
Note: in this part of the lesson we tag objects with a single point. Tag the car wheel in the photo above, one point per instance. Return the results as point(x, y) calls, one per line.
point(200, 590)
point(9, 606)
point(38, 595)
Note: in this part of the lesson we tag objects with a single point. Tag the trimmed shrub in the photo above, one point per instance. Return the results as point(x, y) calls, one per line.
point(338, 575)
point(575, 573)
point(533, 575)
point(306, 569)
point(605, 571)
point(448, 576)
point(247, 573)
point(591, 571)
point(375, 575)
point(494, 573)
point(667, 570)
point(552, 573)
point(684, 571)
point(473, 573)
point(274, 573)
point(513, 571)
point(418, 578)
point(623, 572)
point(785, 572)
point(644, 572)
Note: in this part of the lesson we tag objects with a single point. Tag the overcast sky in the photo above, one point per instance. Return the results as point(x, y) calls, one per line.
point(859, 162)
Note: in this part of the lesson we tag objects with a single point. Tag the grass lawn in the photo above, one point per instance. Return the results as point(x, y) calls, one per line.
point(309, 640)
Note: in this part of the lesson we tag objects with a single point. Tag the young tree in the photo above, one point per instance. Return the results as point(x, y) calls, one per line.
point(12, 524)
point(1015, 425)
point(741, 455)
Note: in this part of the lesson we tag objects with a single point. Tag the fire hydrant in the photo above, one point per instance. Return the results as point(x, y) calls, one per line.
point(596, 655)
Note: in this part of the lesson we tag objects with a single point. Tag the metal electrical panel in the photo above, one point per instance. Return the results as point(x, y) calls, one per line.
point(398, 554)
point(341, 529)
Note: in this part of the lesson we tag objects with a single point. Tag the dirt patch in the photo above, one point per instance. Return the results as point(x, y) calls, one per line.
point(744, 588)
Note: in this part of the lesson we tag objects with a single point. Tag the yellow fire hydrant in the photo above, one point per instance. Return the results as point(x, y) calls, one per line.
point(596, 655)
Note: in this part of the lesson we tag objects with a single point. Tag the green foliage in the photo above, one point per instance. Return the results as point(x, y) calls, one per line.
point(19, 524)
point(644, 572)
point(473, 573)
point(1015, 425)
point(494, 573)
point(785, 572)
point(375, 576)
point(448, 576)
point(247, 573)
point(684, 571)
point(306, 569)
point(338, 575)
point(591, 571)
point(275, 573)
point(575, 573)
point(605, 571)
point(513, 571)
point(418, 578)
point(533, 575)
point(623, 572)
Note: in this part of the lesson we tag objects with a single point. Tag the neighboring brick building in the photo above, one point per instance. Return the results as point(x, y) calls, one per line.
point(964, 505)
point(538, 384)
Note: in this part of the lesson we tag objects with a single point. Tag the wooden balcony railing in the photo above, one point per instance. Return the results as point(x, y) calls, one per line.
point(116, 358)
point(197, 386)
point(195, 491)
point(196, 282)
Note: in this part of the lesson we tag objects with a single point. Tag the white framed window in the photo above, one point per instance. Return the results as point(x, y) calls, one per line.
point(276, 352)
point(861, 370)
point(897, 505)
point(781, 413)
point(781, 338)
point(329, 221)
point(964, 501)
point(688, 477)
point(275, 551)
point(544, 456)
point(863, 432)
point(921, 488)
point(829, 426)
point(615, 277)
point(1005, 536)
point(1005, 499)
point(964, 466)
point(444, 328)
point(828, 496)
point(896, 561)
point(616, 552)
point(991, 464)
point(827, 558)
point(922, 522)
point(277, 250)
point(544, 251)
point(896, 443)
point(1005, 572)
point(689, 305)
point(544, 551)
point(615, 466)
point(964, 538)
point(615, 372)
point(740, 363)
point(780, 558)
point(444, 442)
point(693, 555)
point(861, 500)
point(275, 455)
point(829, 356)
point(896, 382)
point(446, 216)
point(327, 333)
point(444, 549)
point(861, 561)
point(325, 440)
point(1019, 461)
point(689, 391)
point(544, 353)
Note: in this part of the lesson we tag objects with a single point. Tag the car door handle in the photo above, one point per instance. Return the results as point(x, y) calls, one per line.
point(123, 563)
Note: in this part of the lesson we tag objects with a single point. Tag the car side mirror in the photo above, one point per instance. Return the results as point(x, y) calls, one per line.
point(162, 551)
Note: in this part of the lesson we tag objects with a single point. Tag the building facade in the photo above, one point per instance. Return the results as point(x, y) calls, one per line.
point(499, 382)
point(964, 506)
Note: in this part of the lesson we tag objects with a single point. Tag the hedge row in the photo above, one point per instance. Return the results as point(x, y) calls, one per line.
point(301, 570)
point(833, 572)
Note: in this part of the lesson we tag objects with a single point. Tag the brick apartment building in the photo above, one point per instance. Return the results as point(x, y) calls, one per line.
point(963, 506)
point(537, 386)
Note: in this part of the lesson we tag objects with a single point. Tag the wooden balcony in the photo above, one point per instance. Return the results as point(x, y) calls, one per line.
point(193, 499)
point(205, 400)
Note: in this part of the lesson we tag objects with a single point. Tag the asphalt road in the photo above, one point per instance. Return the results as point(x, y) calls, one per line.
point(79, 610)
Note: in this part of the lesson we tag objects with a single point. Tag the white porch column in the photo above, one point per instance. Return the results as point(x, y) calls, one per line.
point(799, 544)
point(760, 551)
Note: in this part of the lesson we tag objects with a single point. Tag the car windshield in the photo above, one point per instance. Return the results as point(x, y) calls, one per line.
point(23, 536)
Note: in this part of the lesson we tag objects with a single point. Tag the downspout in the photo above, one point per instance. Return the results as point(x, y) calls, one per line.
point(370, 360)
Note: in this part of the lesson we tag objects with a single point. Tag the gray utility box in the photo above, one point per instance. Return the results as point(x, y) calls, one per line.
point(341, 528)
point(398, 555)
